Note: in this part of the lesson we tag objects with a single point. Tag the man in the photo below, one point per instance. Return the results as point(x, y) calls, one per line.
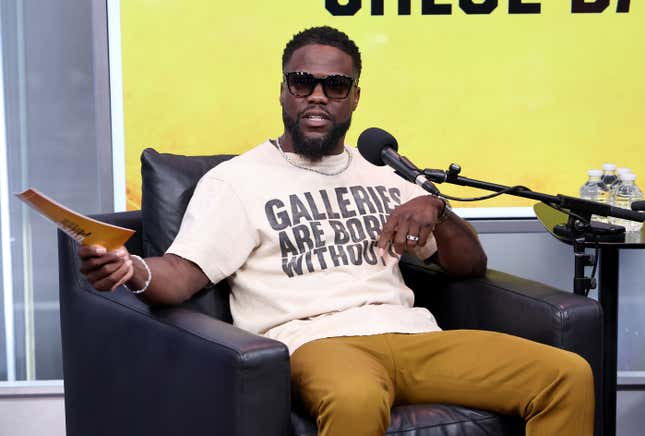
point(311, 255)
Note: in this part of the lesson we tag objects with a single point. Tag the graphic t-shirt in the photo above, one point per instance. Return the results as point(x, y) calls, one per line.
point(299, 248)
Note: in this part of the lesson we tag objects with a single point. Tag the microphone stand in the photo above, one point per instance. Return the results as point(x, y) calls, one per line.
point(579, 228)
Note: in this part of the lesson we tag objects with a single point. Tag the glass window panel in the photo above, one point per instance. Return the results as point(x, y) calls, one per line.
point(50, 100)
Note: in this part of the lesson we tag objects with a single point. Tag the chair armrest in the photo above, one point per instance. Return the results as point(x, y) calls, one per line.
point(509, 304)
point(133, 370)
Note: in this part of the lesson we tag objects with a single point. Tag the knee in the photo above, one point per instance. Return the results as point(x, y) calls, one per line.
point(577, 373)
point(568, 376)
point(565, 379)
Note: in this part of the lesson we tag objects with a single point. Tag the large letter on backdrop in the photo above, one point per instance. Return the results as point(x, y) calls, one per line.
point(429, 7)
point(585, 7)
point(518, 7)
point(623, 6)
point(335, 8)
point(404, 7)
point(470, 7)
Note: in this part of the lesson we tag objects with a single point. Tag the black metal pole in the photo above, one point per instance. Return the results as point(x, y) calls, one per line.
point(608, 298)
point(581, 283)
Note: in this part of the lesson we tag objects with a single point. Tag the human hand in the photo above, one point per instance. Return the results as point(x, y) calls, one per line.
point(410, 224)
point(105, 270)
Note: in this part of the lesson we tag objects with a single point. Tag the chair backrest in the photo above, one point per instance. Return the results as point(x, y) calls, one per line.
point(167, 184)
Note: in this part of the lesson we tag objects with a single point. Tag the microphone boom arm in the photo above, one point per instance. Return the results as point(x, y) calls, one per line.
point(583, 208)
point(579, 228)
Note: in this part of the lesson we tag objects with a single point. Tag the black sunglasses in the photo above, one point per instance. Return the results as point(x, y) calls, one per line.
point(334, 86)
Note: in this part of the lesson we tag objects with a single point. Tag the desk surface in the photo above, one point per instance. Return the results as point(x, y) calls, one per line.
point(549, 217)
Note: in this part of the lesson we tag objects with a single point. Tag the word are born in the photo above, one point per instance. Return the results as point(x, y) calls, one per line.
point(441, 7)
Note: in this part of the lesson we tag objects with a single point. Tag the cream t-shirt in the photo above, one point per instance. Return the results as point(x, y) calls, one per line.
point(299, 248)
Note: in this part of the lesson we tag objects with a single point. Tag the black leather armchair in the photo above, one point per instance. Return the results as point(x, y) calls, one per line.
point(134, 370)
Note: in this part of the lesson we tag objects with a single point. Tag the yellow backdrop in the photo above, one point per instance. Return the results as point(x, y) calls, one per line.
point(532, 99)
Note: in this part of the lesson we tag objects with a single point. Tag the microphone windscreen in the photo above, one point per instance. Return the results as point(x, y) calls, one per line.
point(372, 141)
point(638, 205)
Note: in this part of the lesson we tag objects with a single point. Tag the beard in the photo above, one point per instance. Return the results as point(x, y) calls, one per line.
point(316, 148)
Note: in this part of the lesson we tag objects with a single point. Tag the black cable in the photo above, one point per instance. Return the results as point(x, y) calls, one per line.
point(595, 265)
point(486, 197)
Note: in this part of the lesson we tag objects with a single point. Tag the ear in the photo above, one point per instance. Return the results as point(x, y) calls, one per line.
point(357, 97)
point(281, 93)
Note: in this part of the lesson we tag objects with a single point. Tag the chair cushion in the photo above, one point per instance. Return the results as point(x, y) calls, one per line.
point(167, 184)
point(432, 420)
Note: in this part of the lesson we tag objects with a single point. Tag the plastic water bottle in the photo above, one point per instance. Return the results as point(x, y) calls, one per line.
point(595, 190)
point(619, 174)
point(612, 194)
point(626, 193)
point(609, 176)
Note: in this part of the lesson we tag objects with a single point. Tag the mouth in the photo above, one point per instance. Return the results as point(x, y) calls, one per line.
point(315, 118)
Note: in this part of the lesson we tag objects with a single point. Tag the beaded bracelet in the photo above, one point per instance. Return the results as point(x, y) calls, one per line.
point(147, 282)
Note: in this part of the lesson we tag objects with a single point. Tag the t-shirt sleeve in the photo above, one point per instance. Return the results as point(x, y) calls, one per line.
point(215, 232)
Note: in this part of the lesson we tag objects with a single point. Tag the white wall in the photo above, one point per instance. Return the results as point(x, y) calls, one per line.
point(629, 416)
point(32, 410)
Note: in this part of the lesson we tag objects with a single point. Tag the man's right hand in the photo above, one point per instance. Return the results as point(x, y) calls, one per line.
point(105, 270)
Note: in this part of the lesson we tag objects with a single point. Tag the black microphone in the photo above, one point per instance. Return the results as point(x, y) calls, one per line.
point(380, 148)
point(638, 205)
point(627, 214)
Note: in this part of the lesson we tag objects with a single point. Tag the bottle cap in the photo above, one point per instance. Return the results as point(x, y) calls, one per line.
point(594, 172)
point(622, 175)
point(623, 170)
point(628, 176)
point(608, 166)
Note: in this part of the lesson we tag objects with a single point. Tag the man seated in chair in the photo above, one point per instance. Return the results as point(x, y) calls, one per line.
point(311, 250)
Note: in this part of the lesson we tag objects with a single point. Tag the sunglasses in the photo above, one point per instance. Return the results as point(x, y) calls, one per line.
point(334, 86)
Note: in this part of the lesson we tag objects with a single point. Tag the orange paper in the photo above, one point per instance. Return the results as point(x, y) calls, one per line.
point(86, 231)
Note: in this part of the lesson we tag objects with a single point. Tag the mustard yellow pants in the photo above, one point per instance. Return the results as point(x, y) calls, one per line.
point(350, 383)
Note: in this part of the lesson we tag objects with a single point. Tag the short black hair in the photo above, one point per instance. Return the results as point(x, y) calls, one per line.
point(324, 35)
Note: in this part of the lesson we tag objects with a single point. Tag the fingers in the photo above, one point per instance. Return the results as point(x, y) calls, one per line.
point(409, 225)
point(396, 230)
point(412, 236)
point(125, 278)
point(424, 234)
point(104, 269)
point(110, 282)
point(87, 251)
point(387, 234)
point(399, 241)
point(94, 257)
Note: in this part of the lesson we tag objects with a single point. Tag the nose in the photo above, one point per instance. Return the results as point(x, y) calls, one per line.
point(318, 94)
